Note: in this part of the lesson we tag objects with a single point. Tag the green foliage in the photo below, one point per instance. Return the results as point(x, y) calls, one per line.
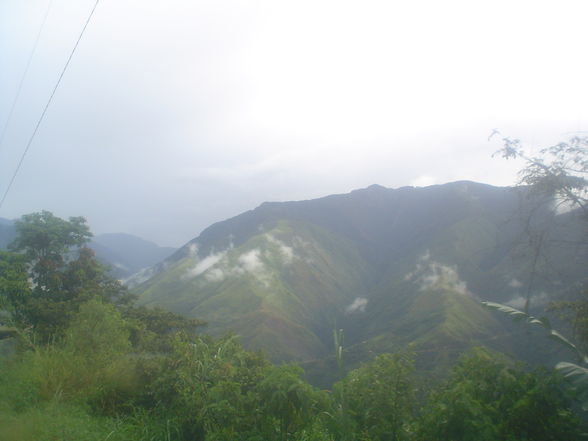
point(64, 422)
point(577, 376)
point(14, 284)
point(105, 370)
point(44, 285)
point(379, 398)
point(542, 322)
point(280, 304)
point(490, 400)
point(287, 402)
point(575, 312)
point(98, 331)
point(206, 386)
point(557, 172)
point(154, 329)
point(89, 366)
point(46, 241)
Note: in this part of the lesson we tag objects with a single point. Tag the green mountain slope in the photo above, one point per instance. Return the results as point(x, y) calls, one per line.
point(391, 267)
point(281, 290)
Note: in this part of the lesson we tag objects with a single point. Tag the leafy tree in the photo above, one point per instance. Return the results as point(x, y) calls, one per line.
point(154, 329)
point(46, 241)
point(576, 313)
point(553, 179)
point(207, 387)
point(380, 397)
point(488, 399)
point(285, 399)
point(62, 271)
point(557, 176)
point(98, 331)
point(558, 172)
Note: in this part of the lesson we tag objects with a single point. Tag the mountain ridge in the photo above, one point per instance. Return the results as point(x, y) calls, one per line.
point(365, 244)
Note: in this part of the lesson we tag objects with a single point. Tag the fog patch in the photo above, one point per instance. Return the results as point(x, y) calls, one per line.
point(300, 242)
point(217, 267)
point(215, 275)
point(193, 250)
point(423, 181)
point(433, 275)
point(250, 261)
point(286, 252)
point(358, 305)
point(205, 264)
point(247, 263)
point(143, 275)
point(120, 266)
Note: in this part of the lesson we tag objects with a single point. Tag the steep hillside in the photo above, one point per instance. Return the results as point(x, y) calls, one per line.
point(281, 289)
point(390, 267)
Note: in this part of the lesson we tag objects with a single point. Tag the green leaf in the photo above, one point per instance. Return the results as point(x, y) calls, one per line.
point(518, 315)
point(577, 376)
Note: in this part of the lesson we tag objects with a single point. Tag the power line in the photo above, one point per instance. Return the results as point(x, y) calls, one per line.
point(47, 105)
point(24, 74)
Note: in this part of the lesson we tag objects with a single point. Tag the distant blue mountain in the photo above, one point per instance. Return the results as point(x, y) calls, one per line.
point(124, 254)
point(127, 254)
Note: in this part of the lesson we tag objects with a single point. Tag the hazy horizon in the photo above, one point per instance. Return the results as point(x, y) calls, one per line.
point(196, 234)
point(175, 115)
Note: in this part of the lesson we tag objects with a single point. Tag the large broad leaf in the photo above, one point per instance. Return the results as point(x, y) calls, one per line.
point(578, 378)
point(515, 314)
point(518, 315)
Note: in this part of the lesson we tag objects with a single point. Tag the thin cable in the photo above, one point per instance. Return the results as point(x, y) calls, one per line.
point(26, 70)
point(47, 105)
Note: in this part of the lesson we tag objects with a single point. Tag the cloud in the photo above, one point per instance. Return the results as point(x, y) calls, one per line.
point(234, 120)
point(193, 250)
point(423, 181)
point(432, 275)
point(215, 275)
point(216, 267)
point(250, 261)
point(141, 276)
point(358, 305)
point(286, 252)
point(206, 263)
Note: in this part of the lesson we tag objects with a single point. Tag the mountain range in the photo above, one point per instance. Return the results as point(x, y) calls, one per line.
point(127, 254)
point(393, 268)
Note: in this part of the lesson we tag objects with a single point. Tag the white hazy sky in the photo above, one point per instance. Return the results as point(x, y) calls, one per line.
point(176, 114)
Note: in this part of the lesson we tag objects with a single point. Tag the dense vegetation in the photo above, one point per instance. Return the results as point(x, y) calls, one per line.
point(86, 364)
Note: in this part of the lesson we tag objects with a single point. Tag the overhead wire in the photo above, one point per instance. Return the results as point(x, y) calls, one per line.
point(28, 146)
point(24, 74)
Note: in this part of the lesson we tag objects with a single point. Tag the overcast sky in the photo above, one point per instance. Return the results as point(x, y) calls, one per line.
point(175, 114)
